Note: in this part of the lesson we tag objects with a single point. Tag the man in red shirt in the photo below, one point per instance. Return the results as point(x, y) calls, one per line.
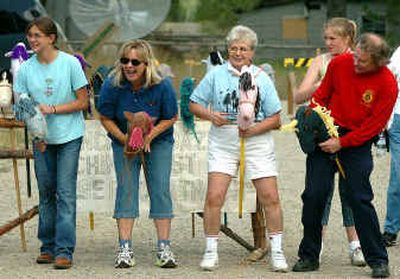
point(360, 92)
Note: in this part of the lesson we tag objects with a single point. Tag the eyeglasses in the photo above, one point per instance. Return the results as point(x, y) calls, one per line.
point(35, 35)
point(134, 62)
point(237, 49)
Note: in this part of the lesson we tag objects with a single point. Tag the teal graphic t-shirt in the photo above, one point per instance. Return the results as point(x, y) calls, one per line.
point(219, 89)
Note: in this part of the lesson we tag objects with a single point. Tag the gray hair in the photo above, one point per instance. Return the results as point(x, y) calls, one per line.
point(145, 54)
point(376, 46)
point(242, 33)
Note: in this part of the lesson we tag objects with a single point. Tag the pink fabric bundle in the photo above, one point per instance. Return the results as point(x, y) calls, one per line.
point(136, 140)
point(139, 125)
point(248, 98)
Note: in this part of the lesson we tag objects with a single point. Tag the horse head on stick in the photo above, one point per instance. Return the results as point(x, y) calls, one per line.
point(139, 126)
point(18, 55)
point(248, 98)
point(214, 59)
point(5, 91)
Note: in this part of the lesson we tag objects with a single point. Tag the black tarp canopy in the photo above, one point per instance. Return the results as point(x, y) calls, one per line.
point(14, 17)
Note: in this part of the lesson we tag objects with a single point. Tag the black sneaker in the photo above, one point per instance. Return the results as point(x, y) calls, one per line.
point(305, 265)
point(380, 271)
point(389, 239)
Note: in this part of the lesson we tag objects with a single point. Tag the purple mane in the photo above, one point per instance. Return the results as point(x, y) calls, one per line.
point(19, 51)
point(81, 60)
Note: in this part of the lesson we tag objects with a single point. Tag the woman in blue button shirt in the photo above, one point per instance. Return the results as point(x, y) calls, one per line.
point(135, 86)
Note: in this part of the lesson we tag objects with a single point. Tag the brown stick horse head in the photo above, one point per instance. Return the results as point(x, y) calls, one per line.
point(139, 125)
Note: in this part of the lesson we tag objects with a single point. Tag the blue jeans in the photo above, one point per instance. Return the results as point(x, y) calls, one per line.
point(392, 223)
point(158, 171)
point(56, 172)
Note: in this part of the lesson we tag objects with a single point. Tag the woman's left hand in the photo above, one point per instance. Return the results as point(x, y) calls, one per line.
point(41, 146)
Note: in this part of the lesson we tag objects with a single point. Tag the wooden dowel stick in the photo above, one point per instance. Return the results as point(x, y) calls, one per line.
point(17, 190)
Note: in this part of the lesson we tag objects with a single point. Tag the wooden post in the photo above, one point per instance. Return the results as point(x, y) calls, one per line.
point(231, 234)
point(17, 190)
point(20, 220)
point(11, 123)
point(291, 88)
point(91, 220)
point(258, 225)
point(193, 225)
point(15, 154)
point(260, 242)
point(27, 165)
point(98, 38)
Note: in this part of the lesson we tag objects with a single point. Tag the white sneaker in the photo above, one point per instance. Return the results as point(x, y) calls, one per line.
point(357, 257)
point(210, 260)
point(278, 261)
point(165, 257)
point(124, 258)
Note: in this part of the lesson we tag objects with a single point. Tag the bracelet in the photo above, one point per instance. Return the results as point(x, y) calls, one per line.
point(54, 109)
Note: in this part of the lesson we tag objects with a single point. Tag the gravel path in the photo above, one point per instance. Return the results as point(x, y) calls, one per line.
point(95, 249)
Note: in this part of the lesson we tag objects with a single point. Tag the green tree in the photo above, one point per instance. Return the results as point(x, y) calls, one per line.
point(336, 8)
point(217, 15)
point(393, 22)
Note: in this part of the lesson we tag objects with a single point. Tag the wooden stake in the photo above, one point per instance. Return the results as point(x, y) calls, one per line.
point(290, 92)
point(258, 225)
point(17, 190)
point(241, 177)
point(193, 225)
point(15, 154)
point(91, 220)
point(11, 123)
point(20, 220)
point(231, 234)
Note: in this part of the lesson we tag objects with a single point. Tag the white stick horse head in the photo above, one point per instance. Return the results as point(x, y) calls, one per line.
point(18, 55)
point(248, 98)
point(214, 59)
point(5, 91)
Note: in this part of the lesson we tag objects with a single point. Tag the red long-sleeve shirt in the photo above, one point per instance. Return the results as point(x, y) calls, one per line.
point(361, 103)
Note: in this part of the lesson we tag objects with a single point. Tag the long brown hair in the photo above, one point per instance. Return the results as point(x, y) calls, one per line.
point(46, 25)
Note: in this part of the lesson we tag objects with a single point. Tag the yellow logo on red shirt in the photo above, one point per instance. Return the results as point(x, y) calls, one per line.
point(368, 96)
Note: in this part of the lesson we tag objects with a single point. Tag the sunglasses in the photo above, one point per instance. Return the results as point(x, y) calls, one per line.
point(134, 62)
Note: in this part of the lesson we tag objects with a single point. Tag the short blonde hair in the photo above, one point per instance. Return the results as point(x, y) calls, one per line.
point(145, 54)
point(242, 33)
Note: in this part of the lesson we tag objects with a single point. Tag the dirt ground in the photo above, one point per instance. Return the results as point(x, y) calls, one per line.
point(95, 249)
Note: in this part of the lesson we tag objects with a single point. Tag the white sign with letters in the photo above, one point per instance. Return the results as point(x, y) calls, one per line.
point(97, 182)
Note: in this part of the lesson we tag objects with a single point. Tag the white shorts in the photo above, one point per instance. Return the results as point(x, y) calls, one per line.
point(224, 153)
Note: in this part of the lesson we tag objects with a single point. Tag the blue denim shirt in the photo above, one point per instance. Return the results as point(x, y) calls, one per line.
point(159, 101)
point(220, 89)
